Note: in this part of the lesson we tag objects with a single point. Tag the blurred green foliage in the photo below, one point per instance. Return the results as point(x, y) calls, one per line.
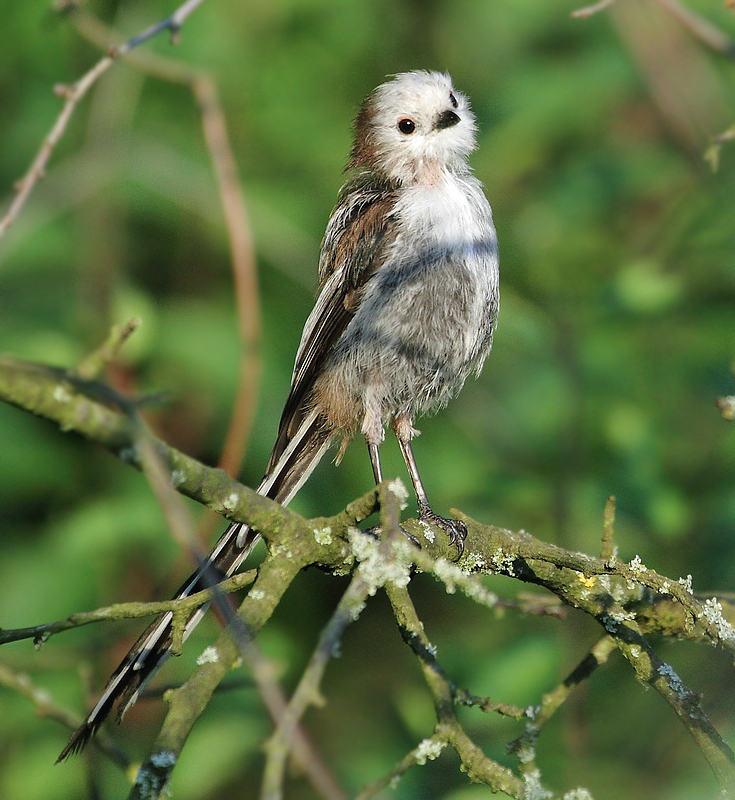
point(616, 335)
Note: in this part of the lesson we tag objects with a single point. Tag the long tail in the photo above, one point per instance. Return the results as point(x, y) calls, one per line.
point(286, 474)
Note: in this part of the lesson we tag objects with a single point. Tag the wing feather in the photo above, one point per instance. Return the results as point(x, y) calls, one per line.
point(360, 230)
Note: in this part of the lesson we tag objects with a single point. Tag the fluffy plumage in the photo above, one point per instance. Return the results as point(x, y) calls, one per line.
point(406, 311)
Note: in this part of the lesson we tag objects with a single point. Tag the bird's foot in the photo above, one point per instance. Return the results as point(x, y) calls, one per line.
point(455, 528)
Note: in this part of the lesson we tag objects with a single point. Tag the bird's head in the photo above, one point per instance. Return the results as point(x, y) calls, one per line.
point(412, 127)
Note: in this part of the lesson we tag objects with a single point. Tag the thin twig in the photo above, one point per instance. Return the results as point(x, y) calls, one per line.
point(119, 611)
point(588, 11)
point(487, 705)
point(172, 23)
point(428, 749)
point(524, 746)
point(73, 94)
point(381, 562)
point(21, 684)
point(608, 551)
point(244, 273)
point(307, 692)
point(237, 223)
point(305, 753)
point(93, 365)
point(700, 28)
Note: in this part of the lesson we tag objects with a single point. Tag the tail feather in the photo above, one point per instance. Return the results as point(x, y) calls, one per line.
point(147, 655)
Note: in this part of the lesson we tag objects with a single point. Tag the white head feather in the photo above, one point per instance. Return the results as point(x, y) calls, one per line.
point(412, 126)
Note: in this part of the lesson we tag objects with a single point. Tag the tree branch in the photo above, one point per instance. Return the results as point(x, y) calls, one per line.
point(41, 633)
point(45, 707)
point(627, 599)
point(236, 218)
point(73, 95)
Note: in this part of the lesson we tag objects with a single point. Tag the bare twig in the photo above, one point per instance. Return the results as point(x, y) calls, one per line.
point(426, 750)
point(307, 693)
point(44, 706)
point(607, 553)
point(588, 11)
point(237, 224)
point(524, 746)
point(72, 95)
point(244, 272)
point(701, 28)
point(94, 364)
point(487, 705)
point(172, 23)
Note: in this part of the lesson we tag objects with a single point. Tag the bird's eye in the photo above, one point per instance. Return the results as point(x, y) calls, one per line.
point(453, 100)
point(406, 126)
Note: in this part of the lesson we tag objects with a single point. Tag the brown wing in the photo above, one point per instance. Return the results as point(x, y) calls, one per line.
point(360, 230)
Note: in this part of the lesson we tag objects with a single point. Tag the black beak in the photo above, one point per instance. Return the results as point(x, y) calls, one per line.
point(445, 120)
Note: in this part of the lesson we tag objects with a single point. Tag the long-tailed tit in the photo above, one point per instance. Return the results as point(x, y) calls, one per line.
point(406, 311)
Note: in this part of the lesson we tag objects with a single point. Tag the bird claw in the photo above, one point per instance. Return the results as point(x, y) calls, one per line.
point(456, 529)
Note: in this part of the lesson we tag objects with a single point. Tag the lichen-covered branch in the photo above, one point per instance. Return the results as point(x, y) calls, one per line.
point(524, 747)
point(628, 600)
point(380, 561)
point(94, 411)
point(448, 730)
point(652, 670)
point(183, 607)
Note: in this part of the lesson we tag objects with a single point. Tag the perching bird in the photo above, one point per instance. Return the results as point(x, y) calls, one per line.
point(407, 306)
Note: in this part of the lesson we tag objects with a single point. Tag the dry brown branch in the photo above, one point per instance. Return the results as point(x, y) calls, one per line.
point(701, 28)
point(236, 217)
point(73, 95)
point(588, 11)
point(45, 707)
point(244, 273)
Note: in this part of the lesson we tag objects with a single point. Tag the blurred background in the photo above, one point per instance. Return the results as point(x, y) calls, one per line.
point(616, 335)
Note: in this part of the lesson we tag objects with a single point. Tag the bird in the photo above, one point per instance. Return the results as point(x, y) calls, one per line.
point(406, 310)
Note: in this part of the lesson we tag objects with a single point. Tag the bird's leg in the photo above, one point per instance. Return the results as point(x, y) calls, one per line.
point(456, 529)
point(374, 451)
